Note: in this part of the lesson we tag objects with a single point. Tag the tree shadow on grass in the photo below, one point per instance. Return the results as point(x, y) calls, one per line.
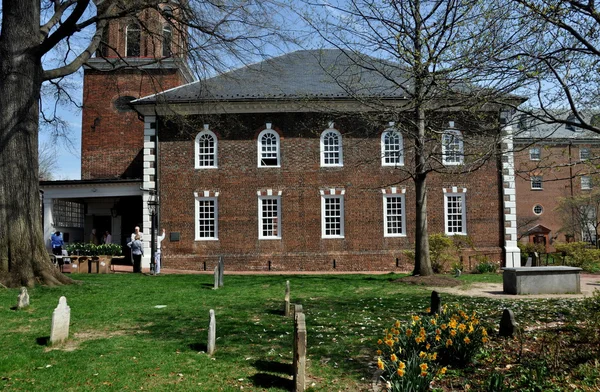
point(266, 380)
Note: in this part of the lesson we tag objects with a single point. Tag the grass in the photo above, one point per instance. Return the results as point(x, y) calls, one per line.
point(120, 341)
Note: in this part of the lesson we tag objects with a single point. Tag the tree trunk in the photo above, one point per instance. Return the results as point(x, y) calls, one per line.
point(422, 260)
point(24, 259)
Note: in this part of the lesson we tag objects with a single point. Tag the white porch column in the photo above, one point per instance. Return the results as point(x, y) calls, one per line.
point(149, 183)
point(48, 221)
point(513, 253)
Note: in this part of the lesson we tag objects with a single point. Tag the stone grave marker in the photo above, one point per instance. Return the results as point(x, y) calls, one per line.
point(286, 302)
point(23, 298)
point(436, 303)
point(216, 275)
point(528, 264)
point(212, 333)
point(297, 309)
point(221, 269)
point(299, 352)
point(61, 318)
point(508, 326)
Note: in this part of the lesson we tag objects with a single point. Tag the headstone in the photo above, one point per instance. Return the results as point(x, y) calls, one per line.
point(436, 304)
point(221, 269)
point(216, 273)
point(212, 333)
point(508, 326)
point(528, 264)
point(299, 352)
point(297, 309)
point(23, 298)
point(457, 273)
point(286, 301)
point(61, 318)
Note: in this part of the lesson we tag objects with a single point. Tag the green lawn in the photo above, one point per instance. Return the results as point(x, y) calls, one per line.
point(120, 341)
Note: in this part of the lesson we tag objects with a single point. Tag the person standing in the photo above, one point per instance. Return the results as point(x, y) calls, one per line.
point(94, 237)
point(157, 253)
point(137, 251)
point(137, 231)
point(57, 243)
point(107, 239)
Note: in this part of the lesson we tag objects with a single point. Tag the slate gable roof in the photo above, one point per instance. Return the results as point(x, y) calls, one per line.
point(304, 74)
point(529, 128)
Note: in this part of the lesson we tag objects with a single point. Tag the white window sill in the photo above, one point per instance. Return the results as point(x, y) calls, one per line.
point(464, 233)
point(332, 237)
point(206, 239)
point(394, 235)
point(206, 167)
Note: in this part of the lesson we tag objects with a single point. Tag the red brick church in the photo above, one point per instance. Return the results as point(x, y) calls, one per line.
point(277, 165)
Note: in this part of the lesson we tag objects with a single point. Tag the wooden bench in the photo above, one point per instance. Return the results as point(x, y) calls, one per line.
point(541, 280)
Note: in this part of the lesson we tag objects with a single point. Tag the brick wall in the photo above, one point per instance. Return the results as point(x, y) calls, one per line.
point(561, 169)
point(300, 179)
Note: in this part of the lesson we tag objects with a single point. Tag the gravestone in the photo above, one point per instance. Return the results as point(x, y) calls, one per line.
point(297, 309)
point(508, 326)
point(286, 302)
point(221, 269)
point(61, 318)
point(528, 263)
point(23, 298)
point(436, 303)
point(212, 333)
point(457, 273)
point(299, 352)
point(216, 275)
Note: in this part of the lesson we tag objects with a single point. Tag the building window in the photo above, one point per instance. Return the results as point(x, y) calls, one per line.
point(586, 182)
point(132, 44)
point(536, 182)
point(394, 215)
point(207, 223)
point(452, 147)
point(268, 148)
point(67, 213)
point(206, 149)
point(535, 154)
point(331, 147)
point(392, 148)
point(455, 213)
point(332, 216)
point(584, 154)
point(269, 217)
point(538, 209)
point(167, 38)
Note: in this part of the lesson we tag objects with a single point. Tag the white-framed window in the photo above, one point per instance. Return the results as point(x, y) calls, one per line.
point(584, 154)
point(132, 40)
point(206, 149)
point(535, 154)
point(392, 147)
point(394, 215)
point(536, 182)
point(455, 213)
point(332, 215)
point(269, 217)
point(331, 147)
point(452, 147)
point(586, 182)
point(167, 37)
point(207, 216)
point(269, 148)
point(538, 209)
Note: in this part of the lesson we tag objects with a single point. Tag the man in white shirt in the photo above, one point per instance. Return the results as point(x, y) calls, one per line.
point(137, 232)
point(157, 254)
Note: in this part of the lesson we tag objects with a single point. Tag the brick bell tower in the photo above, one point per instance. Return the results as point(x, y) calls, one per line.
point(138, 57)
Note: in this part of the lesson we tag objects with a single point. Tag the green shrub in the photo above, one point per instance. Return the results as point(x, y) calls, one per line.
point(484, 265)
point(89, 249)
point(579, 254)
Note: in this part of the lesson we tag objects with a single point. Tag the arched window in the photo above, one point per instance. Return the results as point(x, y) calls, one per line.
point(268, 148)
point(167, 39)
point(206, 149)
point(132, 42)
point(331, 147)
point(392, 147)
point(452, 147)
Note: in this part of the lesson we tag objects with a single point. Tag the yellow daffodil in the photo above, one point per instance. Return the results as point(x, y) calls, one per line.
point(467, 340)
point(448, 343)
point(393, 357)
point(380, 364)
point(422, 354)
point(400, 372)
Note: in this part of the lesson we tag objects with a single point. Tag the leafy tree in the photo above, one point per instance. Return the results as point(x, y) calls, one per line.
point(42, 42)
point(580, 215)
point(436, 55)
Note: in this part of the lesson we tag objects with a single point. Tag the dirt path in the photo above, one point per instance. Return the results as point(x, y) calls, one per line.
point(589, 283)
